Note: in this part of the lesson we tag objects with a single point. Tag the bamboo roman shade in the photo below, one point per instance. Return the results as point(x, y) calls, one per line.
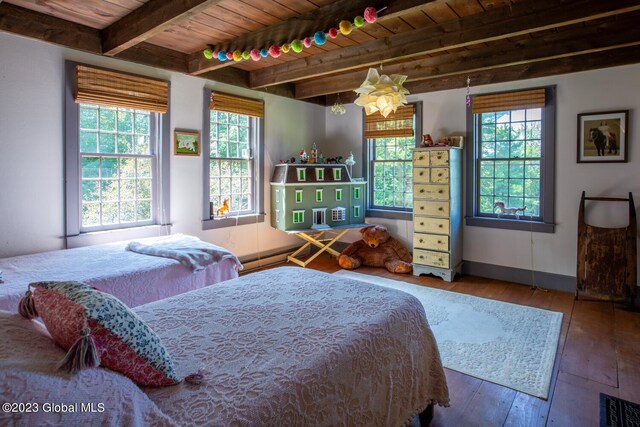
point(235, 104)
point(520, 100)
point(396, 124)
point(110, 88)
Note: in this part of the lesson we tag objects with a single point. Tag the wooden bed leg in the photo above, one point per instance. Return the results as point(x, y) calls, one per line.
point(426, 416)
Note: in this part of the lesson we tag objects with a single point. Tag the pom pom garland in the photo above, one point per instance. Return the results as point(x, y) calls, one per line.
point(345, 27)
point(255, 54)
point(296, 45)
point(274, 51)
point(320, 38)
point(370, 15)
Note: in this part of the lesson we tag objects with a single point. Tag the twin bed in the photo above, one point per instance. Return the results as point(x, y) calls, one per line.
point(282, 347)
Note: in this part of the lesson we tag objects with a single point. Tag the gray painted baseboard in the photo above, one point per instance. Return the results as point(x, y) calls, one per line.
point(553, 281)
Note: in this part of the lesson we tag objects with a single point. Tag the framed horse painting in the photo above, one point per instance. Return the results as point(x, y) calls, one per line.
point(602, 137)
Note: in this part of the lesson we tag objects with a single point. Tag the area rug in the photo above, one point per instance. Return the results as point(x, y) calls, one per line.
point(507, 344)
point(615, 412)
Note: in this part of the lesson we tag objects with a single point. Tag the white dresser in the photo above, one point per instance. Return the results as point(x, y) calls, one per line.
point(437, 211)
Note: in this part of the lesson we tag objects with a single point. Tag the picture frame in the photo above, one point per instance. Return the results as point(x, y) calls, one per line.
point(186, 143)
point(603, 137)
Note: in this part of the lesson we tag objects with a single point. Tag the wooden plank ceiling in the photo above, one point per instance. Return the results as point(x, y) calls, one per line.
point(437, 43)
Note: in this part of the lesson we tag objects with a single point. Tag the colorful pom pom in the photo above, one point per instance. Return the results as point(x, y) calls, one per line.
point(208, 53)
point(222, 55)
point(246, 54)
point(307, 42)
point(296, 45)
point(345, 27)
point(264, 52)
point(333, 33)
point(229, 56)
point(285, 48)
point(320, 38)
point(274, 51)
point(358, 21)
point(370, 15)
point(237, 55)
point(255, 54)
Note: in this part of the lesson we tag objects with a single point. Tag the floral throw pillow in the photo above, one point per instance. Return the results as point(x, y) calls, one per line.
point(98, 329)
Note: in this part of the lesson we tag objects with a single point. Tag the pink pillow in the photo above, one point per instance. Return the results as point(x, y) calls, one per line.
point(98, 329)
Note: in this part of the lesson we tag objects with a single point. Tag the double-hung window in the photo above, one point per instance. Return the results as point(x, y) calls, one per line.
point(388, 144)
point(510, 176)
point(233, 144)
point(117, 142)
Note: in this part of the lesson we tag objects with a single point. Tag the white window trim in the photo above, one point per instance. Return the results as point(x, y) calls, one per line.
point(319, 174)
point(302, 175)
point(301, 196)
point(338, 194)
point(319, 191)
point(341, 213)
point(298, 211)
point(337, 174)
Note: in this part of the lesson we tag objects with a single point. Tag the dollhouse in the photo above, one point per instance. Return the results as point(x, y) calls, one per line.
point(315, 197)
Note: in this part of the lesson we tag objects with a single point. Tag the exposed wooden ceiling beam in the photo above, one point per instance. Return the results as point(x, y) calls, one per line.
point(151, 18)
point(320, 19)
point(25, 22)
point(518, 19)
point(566, 65)
point(575, 40)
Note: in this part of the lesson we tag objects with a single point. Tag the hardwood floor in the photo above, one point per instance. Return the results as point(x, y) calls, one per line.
point(599, 351)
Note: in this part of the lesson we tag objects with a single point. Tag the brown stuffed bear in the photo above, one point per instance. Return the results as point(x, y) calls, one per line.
point(376, 249)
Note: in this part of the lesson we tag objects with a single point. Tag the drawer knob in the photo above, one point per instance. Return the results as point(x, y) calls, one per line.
point(440, 259)
point(421, 207)
point(421, 240)
point(440, 174)
point(420, 158)
point(439, 241)
point(422, 190)
point(439, 225)
point(440, 209)
point(440, 191)
point(421, 256)
point(422, 223)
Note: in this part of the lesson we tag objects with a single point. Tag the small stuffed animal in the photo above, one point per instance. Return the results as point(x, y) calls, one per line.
point(376, 249)
point(224, 208)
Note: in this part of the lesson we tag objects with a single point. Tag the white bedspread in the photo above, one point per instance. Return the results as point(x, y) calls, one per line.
point(296, 347)
point(133, 278)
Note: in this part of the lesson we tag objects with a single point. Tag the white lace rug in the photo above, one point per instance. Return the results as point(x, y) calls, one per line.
point(507, 344)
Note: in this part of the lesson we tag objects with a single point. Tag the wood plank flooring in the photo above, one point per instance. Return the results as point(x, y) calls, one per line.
point(599, 351)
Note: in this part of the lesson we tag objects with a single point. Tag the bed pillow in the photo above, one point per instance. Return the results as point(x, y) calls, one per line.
point(98, 329)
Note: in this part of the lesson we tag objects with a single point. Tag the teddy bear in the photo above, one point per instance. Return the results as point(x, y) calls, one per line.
point(376, 249)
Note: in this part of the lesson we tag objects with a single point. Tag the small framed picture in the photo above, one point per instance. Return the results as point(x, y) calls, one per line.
point(602, 137)
point(186, 143)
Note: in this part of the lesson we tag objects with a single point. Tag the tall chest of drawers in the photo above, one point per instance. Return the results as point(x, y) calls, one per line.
point(437, 211)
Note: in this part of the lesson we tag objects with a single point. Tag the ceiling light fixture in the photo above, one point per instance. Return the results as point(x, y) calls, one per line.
point(381, 93)
point(338, 108)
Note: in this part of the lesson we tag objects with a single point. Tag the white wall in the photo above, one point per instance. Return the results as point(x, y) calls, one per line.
point(32, 149)
point(593, 91)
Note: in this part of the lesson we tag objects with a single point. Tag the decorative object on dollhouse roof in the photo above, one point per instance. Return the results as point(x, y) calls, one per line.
point(350, 162)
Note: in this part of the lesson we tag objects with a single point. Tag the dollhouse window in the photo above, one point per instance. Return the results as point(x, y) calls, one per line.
point(298, 217)
point(298, 196)
point(319, 174)
point(337, 174)
point(302, 174)
point(338, 194)
point(318, 195)
point(338, 214)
